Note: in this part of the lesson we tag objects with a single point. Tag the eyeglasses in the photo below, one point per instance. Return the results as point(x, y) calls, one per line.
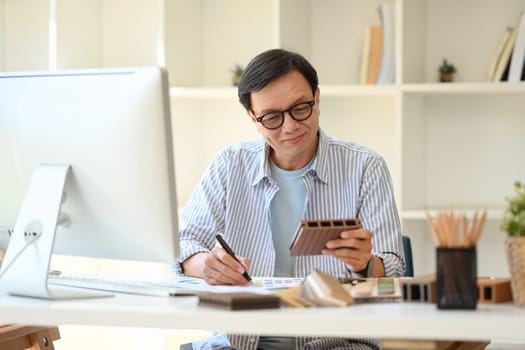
point(298, 112)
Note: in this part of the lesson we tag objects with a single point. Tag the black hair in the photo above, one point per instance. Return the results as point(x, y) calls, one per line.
point(270, 65)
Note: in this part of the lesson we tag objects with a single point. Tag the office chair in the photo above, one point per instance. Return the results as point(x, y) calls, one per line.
point(407, 248)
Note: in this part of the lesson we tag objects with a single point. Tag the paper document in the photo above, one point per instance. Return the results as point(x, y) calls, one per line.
point(167, 283)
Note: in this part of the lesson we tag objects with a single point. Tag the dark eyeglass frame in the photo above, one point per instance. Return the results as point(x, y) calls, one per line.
point(310, 104)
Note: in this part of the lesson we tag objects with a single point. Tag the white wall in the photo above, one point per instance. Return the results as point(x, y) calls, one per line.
point(2, 34)
point(25, 33)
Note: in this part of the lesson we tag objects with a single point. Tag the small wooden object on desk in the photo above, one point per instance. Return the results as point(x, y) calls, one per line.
point(494, 290)
point(239, 300)
point(19, 337)
point(419, 289)
point(323, 289)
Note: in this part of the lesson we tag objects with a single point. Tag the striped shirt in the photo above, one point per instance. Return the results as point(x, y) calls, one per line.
point(234, 196)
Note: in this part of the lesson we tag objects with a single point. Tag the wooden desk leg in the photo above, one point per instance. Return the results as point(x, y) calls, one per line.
point(43, 340)
point(472, 345)
point(405, 344)
point(19, 337)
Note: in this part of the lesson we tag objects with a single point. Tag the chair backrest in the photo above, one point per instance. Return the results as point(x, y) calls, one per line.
point(407, 248)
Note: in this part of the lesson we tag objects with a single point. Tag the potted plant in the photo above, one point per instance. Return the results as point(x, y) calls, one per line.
point(237, 73)
point(513, 223)
point(446, 71)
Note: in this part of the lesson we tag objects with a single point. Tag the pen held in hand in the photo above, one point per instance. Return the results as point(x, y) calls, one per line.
point(230, 252)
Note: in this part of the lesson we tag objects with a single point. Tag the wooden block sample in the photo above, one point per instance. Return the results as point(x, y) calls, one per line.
point(494, 290)
point(419, 289)
point(239, 300)
point(311, 235)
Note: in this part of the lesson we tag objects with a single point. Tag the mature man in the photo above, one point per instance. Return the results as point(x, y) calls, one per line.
point(255, 193)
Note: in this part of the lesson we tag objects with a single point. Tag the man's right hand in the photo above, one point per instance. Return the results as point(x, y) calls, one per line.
point(217, 267)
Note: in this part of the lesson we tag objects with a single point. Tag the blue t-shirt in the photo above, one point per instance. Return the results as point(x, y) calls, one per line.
point(286, 210)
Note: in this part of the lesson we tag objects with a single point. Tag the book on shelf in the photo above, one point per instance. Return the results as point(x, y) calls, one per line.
point(376, 50)
point(504, 59)
point(505, 75)
point(387, 68)
point(371, 55)
point(518, 54)
point(365, 55)
point(497, 54)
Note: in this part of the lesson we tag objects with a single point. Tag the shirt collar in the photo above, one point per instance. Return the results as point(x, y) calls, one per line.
point(319, 165)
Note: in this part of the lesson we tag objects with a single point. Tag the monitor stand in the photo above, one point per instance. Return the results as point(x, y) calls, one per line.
point(26, 263)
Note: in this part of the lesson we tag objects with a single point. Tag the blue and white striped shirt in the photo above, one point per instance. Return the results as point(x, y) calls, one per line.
point(234, 196)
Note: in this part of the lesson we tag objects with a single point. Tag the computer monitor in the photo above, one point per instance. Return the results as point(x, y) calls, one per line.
point(88, 153)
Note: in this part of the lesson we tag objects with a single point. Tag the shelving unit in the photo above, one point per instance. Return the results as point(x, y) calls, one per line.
point(458, 144)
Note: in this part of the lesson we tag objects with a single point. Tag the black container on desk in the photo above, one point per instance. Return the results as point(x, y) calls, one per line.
point(456, 286)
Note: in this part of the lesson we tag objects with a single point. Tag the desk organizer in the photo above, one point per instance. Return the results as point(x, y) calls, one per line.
point(420, 289)
point(456, 276)
point(494, 290)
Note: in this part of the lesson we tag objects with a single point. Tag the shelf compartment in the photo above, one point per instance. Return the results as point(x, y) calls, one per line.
point(461, 151)
point(466, 32)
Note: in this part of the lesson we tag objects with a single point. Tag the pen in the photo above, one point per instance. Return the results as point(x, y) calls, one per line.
point(230, 252)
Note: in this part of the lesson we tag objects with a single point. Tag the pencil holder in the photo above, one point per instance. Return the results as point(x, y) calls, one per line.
point(456, 278)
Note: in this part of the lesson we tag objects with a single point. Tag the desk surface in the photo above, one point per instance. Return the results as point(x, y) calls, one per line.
point(379, 320)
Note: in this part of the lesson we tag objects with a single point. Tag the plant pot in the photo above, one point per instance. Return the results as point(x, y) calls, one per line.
point(446, 77)
point(515, 249)
point(236, 79)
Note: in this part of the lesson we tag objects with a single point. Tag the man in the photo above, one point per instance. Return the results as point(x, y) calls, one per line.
point(255, 193)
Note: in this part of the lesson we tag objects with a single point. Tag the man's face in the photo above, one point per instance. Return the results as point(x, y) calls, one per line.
point(294, 143)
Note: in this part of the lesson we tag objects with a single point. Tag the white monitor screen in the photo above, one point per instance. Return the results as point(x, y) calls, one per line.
point(113, 128)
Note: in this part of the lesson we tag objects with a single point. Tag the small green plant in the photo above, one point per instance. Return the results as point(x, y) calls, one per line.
point(446, 67)
point(237, 70)
point(513, 221)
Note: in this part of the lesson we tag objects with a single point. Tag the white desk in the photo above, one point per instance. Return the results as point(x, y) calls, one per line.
point(385, 320)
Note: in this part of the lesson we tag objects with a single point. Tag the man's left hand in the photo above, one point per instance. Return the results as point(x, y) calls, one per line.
point(353, 247)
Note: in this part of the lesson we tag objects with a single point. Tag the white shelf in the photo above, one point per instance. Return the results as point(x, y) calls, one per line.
point(492, 213)
point(486, 88)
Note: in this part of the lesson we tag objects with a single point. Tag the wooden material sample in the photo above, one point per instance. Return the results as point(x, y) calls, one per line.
point(240, 300)
point(420, 288)
point(311, 235)
point(494, 290)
